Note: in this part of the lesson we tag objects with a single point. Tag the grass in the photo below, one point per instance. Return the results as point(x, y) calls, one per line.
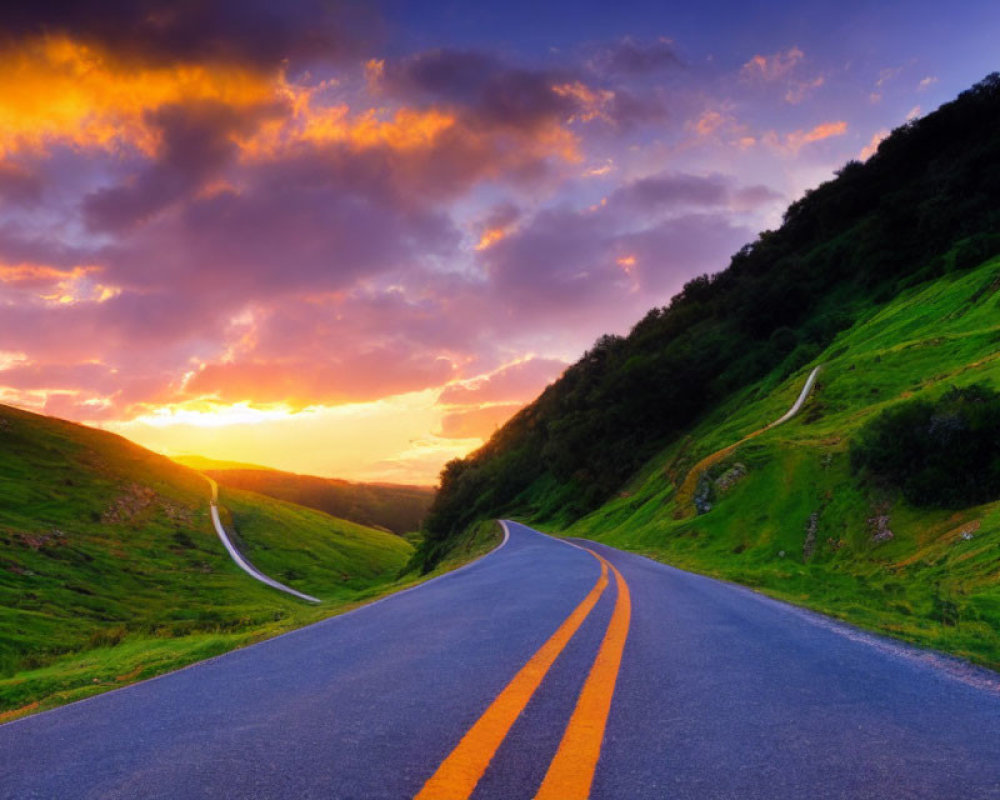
point(396, 508)
point(110, 571)
point(937, 581)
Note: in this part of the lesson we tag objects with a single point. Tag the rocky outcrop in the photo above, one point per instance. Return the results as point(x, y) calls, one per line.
point(878, 527)
point(728, 479)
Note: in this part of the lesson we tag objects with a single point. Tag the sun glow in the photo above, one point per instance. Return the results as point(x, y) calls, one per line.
point(381, 440)
point(210, 415)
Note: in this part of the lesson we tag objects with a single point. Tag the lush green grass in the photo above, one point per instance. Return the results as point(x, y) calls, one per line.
point(110, 570)
point(931, 583)
point(329, 558)
point(474, 542)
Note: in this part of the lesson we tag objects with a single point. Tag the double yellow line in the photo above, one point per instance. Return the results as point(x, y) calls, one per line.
point(572, 769)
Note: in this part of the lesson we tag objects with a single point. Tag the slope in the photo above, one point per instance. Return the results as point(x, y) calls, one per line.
point(397, 508)
point(789, 516)
point(110, 570)
point(925, 206)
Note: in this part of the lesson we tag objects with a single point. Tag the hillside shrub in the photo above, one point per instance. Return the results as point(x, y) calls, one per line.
point(944, 453)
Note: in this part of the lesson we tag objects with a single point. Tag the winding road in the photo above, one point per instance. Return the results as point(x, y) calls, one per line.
point(686, 490)
point(239, 559)
point(542, 670)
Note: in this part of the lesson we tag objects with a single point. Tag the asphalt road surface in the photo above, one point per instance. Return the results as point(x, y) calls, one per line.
point(539, 671)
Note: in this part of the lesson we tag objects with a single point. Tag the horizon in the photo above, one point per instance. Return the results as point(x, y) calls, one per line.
point(356, 251)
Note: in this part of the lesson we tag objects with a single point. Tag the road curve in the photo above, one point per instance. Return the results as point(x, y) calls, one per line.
point(240, 559)
point(797, 405)
point(686, 491)
point(703, 690)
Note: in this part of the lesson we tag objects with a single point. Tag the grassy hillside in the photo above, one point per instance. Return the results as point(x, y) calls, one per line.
point(794, 520)
point(399, 509)
point(924, 207)
point(887, 277)
point(110, 571)
point(329, 558)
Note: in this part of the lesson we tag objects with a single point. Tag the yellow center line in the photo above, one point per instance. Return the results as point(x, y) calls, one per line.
point(572, 770)
point(459, 773)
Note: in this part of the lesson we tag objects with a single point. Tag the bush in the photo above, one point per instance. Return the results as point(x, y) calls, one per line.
point(944, 453)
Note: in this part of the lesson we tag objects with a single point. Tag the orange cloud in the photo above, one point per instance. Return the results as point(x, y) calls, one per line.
point(869, 149)
point(627, 264)
point(57, 286)
point(320, 124)
point(55, 90)
point(709, 122)
point(490, 237)
point(794, 141)
point(772, 67)
point(405, 130)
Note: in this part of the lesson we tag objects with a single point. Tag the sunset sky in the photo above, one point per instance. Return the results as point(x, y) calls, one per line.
point(351, 239)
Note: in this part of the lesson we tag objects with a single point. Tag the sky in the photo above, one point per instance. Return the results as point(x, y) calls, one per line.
point(351, 239)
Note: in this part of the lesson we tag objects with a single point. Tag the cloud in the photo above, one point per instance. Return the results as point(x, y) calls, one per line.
point(252, 32)
point(926, 83)
point(221, 227)
point(772, 67)
point(196, 140)
point(872, 147)
point(677, 190)
point(669, 253)
point(349, 377)
point(778, 68)
point(629, 57)
point(496, 225)
point(519, 382)
point(491, 94)
point(103, 103)
point(566, 264)
point(792, 142)
point(19, 185)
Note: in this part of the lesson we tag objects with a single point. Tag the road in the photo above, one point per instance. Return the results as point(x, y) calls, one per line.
point(797, 405)
point(685, 493)
point(691, 688)
point(239, 559)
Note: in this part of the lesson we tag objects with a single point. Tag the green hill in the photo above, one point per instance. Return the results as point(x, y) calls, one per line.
point(794, 519)
point(400, 509)
point(884, 277)
point(110, 570)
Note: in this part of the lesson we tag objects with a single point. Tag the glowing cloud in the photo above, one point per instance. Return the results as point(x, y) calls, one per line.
point(772, 67)
point(870, 149)
point(56, 90)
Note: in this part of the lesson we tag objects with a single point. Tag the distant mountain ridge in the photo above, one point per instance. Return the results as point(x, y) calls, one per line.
point(398, 508)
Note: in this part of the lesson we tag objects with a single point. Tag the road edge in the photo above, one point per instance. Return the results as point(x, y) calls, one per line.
point(292, 632)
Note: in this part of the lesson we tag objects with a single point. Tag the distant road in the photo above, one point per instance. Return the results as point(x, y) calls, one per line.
point(687, 488)
point(687, 687)
point(241, 560)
